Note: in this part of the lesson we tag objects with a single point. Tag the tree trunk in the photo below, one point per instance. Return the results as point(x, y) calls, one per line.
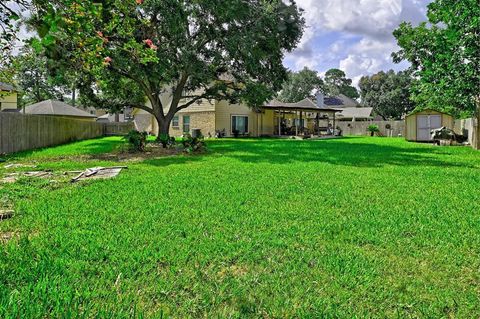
point(163, 130)
point(74, 97)
point(163, 120)
point(163, 127)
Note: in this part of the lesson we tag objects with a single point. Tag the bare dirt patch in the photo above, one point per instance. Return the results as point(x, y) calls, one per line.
point(153, 151)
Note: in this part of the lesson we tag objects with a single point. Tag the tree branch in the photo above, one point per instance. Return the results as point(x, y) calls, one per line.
point(195, 99)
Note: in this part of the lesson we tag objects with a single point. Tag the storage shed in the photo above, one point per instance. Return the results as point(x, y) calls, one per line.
point(419, 124)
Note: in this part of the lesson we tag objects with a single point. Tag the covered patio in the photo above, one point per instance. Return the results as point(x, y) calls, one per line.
point(303, 119)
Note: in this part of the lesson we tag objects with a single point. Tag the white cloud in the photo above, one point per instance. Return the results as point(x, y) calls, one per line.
point(363, 29)
point(367, 57)
point(376, 18)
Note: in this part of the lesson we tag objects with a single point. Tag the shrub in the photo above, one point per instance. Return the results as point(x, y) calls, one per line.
point(373, 128)
point(136, 140)
point(166, 140)
point(193, 144)
point(236, 133)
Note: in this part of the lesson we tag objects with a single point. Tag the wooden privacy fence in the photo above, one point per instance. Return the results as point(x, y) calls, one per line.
point(468, 126)
point(387, 128)
point(19, 132)
point(118, 128)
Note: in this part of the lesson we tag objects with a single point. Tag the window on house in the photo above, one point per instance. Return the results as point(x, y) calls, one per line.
point(175, 121)
point(240, 124)
point(186, 124)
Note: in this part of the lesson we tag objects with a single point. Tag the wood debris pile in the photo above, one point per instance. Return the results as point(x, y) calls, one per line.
point(99, 173)
point(90, 173)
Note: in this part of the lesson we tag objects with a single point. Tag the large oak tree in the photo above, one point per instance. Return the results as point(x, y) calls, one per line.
point(193, 50)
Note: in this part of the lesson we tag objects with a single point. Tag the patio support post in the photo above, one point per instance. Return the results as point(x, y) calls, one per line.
point(296, 124)
point(300, 123)
point(334, 123)
point(279, 123)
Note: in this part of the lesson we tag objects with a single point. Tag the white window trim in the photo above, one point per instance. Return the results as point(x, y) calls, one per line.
point(239, 115)
point(189, 123)
point(178, 122)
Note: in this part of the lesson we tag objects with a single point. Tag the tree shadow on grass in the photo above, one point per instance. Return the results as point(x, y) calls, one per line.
point(176, 160)
point(346, 152)
point(86, 147)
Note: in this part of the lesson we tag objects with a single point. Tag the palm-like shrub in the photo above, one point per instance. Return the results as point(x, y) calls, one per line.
point(373, 128)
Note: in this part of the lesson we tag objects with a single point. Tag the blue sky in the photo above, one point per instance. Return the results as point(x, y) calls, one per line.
point(353, 35)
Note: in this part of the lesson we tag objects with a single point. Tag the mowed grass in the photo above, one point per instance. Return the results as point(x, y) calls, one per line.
point(348, 228)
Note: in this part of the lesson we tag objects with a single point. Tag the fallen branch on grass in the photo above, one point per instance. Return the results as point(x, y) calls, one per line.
point(99, 173)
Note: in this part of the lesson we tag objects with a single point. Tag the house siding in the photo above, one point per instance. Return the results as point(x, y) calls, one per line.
point(208, 116)
point(223, 117)
point(143, 121)
point(205, 121)
point(266, 125)
point(8, 101)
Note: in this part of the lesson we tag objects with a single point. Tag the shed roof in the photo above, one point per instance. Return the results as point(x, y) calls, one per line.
point(427, 110)
point(356, 112)
point(58, 108)
point(303, 105)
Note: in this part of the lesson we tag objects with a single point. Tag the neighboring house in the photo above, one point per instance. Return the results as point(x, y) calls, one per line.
point(351, 109)
point(59, 109)
point(355, 114)
point(341, 101)
point(112, 118)
point(8, 97)
point(123, 116)
point(93, 111)
point(220, 116)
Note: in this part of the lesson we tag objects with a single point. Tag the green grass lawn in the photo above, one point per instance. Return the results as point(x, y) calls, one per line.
point(356, 227)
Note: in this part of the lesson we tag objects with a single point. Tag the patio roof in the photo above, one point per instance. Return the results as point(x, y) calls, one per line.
point(303, 105)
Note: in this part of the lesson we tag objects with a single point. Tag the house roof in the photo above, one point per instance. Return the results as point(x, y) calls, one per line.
point(356, 112)
point(7, 87)
point(303, 105)
point(340, 101)
point(58, 108)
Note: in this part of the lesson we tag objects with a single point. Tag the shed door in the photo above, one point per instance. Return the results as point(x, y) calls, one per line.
point(425, 124)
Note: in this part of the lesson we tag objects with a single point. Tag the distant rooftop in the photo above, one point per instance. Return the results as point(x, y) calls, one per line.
point(356, 113)
point(341, 101)
point(303, 105)
point(7, 87)
point(58, 108)
point(111, 118)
